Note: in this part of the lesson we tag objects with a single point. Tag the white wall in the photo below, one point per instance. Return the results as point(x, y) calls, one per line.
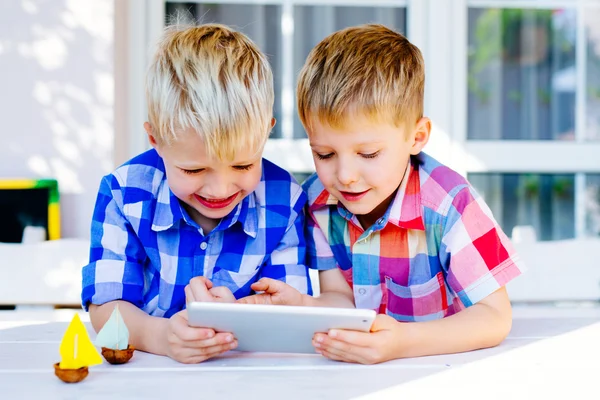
point(56, 98)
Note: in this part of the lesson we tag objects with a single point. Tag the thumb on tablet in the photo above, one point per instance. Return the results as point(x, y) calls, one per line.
point(383, 322)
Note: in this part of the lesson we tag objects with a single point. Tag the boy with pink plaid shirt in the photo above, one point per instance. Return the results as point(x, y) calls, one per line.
point(390, 228)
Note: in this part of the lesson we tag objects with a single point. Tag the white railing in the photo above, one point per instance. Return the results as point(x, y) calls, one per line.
point(49, 272)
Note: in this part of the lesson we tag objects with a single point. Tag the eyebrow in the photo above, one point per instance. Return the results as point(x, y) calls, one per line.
point(197, 166)
point(357, 144)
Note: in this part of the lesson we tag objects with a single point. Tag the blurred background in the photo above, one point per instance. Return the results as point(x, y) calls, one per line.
point(512, 87)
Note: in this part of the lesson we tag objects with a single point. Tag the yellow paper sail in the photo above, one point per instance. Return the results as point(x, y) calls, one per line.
point(76, 348)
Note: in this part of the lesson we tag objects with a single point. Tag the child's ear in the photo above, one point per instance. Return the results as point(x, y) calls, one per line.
point(151, 138)
point(273, 122)
point(420, 135)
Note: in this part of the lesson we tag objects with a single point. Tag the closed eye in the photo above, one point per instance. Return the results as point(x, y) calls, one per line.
point(324, 156)
point(370, 155)
point(243, 167)
point(192, 171)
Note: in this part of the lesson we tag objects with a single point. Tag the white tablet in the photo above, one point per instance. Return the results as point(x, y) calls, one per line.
point(277, 329)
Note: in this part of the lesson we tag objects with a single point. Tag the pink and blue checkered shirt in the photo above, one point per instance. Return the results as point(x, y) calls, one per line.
point(436, 250)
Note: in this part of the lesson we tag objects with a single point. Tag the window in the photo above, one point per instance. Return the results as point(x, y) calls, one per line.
point(286, 32)
point(262, 23)
point(521, 78)
point(592, 205)
point(532, 113)
point(513, 90)
point(592, 33)
point(544, 201)
point(313, 23)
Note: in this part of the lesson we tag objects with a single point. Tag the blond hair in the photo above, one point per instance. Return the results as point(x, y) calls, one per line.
point(366, 70)
point(214, 80)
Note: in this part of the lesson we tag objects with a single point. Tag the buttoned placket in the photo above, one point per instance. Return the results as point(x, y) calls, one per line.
point(363, 246)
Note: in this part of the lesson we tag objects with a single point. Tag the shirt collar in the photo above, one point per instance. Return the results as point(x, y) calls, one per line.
point(169, 211)
point(246, 214)
point(405, 211)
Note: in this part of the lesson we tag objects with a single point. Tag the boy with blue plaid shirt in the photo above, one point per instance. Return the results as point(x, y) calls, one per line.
point(201, 216)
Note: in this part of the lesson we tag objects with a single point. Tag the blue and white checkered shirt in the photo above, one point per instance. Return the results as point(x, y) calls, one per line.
point(145, 248)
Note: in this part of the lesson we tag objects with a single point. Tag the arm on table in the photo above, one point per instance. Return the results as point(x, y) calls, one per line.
point(485, 324)
point(170, 337)
point(146, 333)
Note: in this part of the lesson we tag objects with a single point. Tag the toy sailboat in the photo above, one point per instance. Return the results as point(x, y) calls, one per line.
point(114, 339)
point(77, 353)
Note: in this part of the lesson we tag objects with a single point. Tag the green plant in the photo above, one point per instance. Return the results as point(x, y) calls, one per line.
point(529, 186)
point(562, 187)
point(497, 37)
point(544, 96)
point(515, 95)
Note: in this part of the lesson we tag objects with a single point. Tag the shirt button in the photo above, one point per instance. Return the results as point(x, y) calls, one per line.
point(203, 245)
point(362, 291)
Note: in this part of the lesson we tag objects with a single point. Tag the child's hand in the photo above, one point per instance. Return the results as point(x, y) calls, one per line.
point(201, 289)
point(379, 345)
point(274, 292)
point(191, 345)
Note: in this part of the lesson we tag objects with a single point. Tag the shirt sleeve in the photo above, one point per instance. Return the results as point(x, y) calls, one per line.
point(115, 271)
point(287, 262)
point(477, 255)
point(319, 255)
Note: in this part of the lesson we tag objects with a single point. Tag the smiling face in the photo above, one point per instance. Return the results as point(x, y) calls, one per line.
point(363, 164)
point(208, 188)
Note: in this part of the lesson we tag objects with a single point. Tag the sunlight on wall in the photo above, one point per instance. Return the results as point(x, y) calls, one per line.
point(443, 148)
point(58, 68)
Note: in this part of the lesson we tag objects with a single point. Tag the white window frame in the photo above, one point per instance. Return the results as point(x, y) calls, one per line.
point(578, 157)
point(142, 25)
point(439, 29)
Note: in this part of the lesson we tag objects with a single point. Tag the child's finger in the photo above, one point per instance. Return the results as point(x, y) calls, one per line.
point(223, 294)
point(355, 338)
point(383, 322)
point(194, 356)
point(341, 351)
point(271, 286)
point(185, 333)
point(256, 299)
point(202, 280)
point(198, 356)
point(260, 285)
point(348, 351)
point(333, 356)
point(189, 295)
point(220, 339)
point(198, 289)
point(338, 355)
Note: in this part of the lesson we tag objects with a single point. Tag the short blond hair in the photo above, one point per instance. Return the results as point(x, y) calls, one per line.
point(367, 70)
point(214, 80)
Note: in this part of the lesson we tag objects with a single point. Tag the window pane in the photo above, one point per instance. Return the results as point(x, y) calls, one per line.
point(592, 16)
point(543, 201)
point(262, 24)
point(313, 23)
point(592, 204)
point(521, 74)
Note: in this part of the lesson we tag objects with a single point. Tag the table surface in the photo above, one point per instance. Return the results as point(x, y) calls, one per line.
point(549, 352)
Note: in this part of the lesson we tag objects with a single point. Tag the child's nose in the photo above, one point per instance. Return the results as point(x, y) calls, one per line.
point(218, 190)
point(347, 174)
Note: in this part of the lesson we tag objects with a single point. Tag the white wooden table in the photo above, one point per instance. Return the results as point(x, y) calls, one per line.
point(551, 352)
